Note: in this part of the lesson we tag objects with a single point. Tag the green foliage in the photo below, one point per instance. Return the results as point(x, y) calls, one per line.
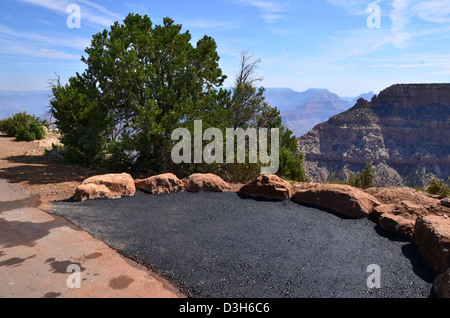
point(142, 81)
point(6, 126)
point(439, 187)
point(242, 172)
point(24, 127)
point(364, 179)
point(337, 181)
point(368, 176)
point(292, 166)
point(118, 158)
point(81, 119)
point(291, 162)
point(355, 181)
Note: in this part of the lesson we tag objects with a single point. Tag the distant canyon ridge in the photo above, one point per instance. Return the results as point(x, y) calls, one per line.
point(301, 111)
point(404, 132)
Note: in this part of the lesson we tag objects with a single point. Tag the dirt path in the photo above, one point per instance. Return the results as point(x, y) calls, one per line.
point(25, 165)
point(36, 248)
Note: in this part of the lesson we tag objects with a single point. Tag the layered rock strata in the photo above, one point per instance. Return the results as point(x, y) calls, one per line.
point(404, 131)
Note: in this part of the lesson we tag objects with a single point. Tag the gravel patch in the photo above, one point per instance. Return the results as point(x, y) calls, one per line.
point(219, 245)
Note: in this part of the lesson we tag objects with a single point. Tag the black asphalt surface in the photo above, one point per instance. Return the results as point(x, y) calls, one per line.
point(219, 245)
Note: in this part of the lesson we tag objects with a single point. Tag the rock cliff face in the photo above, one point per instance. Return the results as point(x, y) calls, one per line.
point(404, 131)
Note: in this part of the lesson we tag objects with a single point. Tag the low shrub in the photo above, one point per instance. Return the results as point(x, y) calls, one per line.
point(24, 127)
point(438, 187)
point(365, 179)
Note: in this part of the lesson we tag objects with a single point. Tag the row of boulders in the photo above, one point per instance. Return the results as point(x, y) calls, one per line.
point(115, 186)
point(416, 216)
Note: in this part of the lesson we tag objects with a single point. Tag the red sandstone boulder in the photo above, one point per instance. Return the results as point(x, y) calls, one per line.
point(432, 238)
point(442, 285)
point(400, 218)
point(93, 191)
point(389, 195)
point(110, 186)
point(269, 187)
point(205, 182)
point(402, 206)
point(341, 199)
point(161, 184)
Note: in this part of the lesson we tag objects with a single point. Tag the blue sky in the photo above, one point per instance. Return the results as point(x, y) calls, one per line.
point(302, 44)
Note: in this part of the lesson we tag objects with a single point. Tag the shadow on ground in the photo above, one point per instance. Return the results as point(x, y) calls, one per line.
point(40, 170)
point(32, 201)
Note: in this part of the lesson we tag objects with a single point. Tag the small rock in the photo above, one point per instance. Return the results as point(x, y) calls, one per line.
point(54, 153)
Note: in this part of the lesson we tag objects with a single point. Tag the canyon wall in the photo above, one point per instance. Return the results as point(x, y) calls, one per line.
point(404, 132)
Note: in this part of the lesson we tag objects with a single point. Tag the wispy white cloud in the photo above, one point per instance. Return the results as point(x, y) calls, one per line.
point(444, 72)
point(403, 65)
point(284, 31)
point(208, 24)
point(90, 11)
point(438, 63)
point(271, 11)
point(400, 18)
point(44, 22)
point(404, 29)
point(353, 43)
point(77, 43)
point(15, 48)
point(101, 9)
point(52, 46)
point(352, 7)
point(437, 11)
point(433, 11)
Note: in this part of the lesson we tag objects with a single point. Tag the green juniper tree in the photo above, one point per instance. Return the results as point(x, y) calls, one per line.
point(141, 82)
point(365, 179)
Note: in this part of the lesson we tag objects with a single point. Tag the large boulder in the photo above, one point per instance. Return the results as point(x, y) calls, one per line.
point(269, 187)
point(199, 182)
point(389, 195)
point(161, 184)
point(340, 199)
point(432, 238)
point(402, 206)
point(400, 218)
point(110, 186)
point(442, 285)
